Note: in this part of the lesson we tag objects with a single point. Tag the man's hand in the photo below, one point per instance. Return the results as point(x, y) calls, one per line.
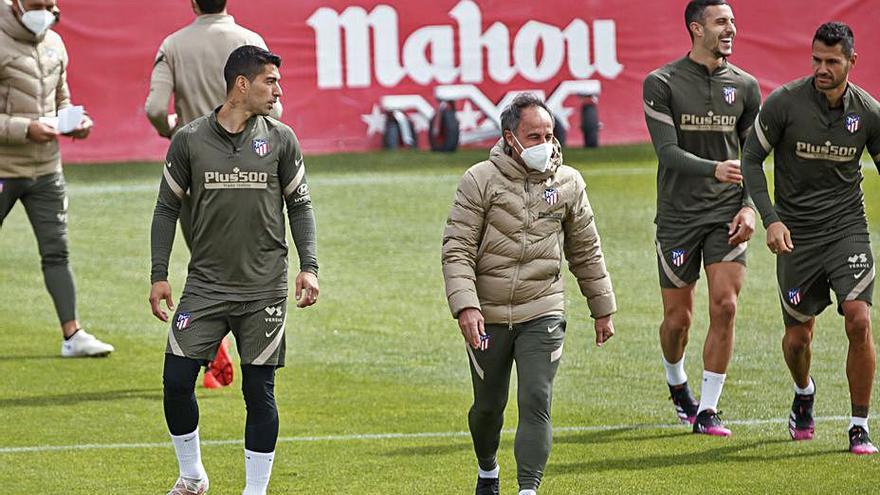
point(40, 133)
point(728, 171)
point(604, 330)
point(306, 289)
point(779, 238)
point(161, 291)
point(172, 124)
point(472, 325)
point(741, 227)
point(85, 127)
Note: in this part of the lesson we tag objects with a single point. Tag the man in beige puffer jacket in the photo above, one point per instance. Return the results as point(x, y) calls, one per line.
point(514, 219)
point(33, 85)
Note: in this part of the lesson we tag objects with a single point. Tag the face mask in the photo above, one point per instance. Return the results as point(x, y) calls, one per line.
point(538, 156)
point(37, 21)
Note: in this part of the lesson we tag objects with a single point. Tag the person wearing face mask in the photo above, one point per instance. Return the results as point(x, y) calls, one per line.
point(699, 110)
point(33, 86)
point(515, 217)
point(818, 127)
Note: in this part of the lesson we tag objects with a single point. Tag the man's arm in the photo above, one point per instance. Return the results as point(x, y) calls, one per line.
point(174, 185)
point(768, 129)
point(661, 125)
point(764, 135)
point(583, 250)
point(873, 144)
point(461, 240)
point(297, 196)
point(752, 106)
point(62, 90)
point(161, 87)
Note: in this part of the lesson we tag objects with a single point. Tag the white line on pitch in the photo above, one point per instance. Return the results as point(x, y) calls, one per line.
point(387, 436)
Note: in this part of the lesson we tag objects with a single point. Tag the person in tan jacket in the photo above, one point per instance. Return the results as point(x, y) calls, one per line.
point(514, 218)
point(33, 87)
point(189, 67)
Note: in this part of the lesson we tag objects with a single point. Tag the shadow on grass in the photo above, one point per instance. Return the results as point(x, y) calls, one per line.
point(724, 454)
point(422, 450)
point(154, 394)
point(613, 435)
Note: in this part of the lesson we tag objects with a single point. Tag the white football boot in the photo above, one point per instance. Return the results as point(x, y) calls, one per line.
point(189, 486)
point(84, 344)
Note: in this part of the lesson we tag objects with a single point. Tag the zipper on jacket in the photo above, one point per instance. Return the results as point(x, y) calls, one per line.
point(522, 254)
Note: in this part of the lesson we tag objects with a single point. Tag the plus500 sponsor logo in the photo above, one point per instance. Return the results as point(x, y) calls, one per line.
point(238, 179)
point(826, 151)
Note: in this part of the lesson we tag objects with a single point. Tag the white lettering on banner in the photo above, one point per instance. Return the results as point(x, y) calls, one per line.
point(429, 52)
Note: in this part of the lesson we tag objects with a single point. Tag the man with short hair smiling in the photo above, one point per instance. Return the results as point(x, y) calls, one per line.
point(240, 167)
point(514, 218)
point(818, 126)
point(34, 81)
point(698, 110)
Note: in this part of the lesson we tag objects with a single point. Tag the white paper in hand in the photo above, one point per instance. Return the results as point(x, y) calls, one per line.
point(69, 119)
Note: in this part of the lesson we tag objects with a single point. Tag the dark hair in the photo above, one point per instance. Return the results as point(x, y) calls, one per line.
point(211, 6)
point(511, 115)
point(248, 61)
point(834, 33)
point(695, 10)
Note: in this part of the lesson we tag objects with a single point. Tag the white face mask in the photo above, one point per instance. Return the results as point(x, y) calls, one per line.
point(37, 21)
point(536, 157)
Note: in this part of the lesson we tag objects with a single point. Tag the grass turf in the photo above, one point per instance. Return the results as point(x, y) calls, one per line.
point(379, 354)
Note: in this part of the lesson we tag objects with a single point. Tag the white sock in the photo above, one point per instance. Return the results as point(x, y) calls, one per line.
point(528, 492)
point(488, 474)
point(257, 470)
point(189, 455)
point(857, 421)
point(711, 390)
point(809, 390)
point(675, 374)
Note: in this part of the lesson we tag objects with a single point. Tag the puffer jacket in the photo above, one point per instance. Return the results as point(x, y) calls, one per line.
point(33, 84)
point(507, 234)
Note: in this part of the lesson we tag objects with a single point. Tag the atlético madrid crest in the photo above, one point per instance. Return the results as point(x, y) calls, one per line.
point(852, 123)
point(794, 296)
point(261, 147)
point(551, 195)
point(678, 257)
point(729, 94)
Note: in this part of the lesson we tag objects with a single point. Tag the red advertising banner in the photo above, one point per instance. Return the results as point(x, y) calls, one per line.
point(347, 61)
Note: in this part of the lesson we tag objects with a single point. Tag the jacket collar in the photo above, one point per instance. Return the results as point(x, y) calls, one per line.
point(206, 19)
point(514, 170)
point(12, 27)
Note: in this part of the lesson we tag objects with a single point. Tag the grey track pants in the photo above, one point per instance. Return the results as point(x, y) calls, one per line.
point(536, 347)
point(45, 202)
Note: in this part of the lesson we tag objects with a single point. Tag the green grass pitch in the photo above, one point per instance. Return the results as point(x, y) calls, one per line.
point(375, 394)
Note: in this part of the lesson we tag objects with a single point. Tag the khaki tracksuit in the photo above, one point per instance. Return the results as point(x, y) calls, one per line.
point(33, 84)
point(503, 248)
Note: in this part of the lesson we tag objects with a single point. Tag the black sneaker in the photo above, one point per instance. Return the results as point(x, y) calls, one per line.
point(685, 404)
point(800, 421)
point(487, 486)
point(709, 422)
point(859, 442)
